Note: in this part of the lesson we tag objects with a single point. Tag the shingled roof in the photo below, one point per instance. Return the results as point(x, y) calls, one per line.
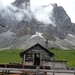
point(37, 45)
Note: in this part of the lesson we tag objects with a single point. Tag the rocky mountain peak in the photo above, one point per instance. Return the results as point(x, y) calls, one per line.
point(24, 25)
point(59, 14)
point(62, 21)
point(23, 4)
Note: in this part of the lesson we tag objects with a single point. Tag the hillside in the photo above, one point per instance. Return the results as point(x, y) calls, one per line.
point(12, 56)
point(68, 55)
point(18, 24)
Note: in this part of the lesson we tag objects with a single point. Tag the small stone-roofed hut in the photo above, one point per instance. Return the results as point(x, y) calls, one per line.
point(39, 55)
point(36, 55)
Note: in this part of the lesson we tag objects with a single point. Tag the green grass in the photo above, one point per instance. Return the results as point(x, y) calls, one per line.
point(12, 56)
point(67, 55)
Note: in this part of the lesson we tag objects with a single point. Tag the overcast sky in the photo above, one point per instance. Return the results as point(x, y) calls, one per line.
point(69, 5)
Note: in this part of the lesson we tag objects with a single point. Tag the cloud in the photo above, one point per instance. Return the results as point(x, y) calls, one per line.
point(43, 14)
point(8, 10)
point(5, 3)
point(68, 5)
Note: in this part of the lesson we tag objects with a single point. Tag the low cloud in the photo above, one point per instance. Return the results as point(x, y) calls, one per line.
point(44, 14)
point(41, 13)
point(15, 13)
point(5, 3)
point(68, 5)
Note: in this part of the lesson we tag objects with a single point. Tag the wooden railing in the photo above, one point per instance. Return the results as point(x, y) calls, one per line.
point(19, 68)
point(37, 71)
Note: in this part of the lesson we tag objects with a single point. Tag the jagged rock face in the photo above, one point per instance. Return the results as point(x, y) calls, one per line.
point(60, 19)
point(59, 15)
point(23, 4)
point(62, 22)
point(2, 29)
point(7, 19)
point(73, 28)
point(8, 15)
point(25, 28)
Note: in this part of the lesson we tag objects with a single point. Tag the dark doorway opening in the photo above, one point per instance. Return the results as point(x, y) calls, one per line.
point(37, 59)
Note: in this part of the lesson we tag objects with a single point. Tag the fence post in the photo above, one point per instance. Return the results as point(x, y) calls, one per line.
point(74, 70)
point(53, 67)
point(37, 70)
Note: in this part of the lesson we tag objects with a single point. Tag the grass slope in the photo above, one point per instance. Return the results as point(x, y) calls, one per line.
point(68, 55)
point(12, 56)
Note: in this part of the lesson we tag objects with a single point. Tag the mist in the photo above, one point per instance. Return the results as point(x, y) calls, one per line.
point(40, 13)
point(68, 5)
point(5, 3)
point(44, 14)
point(15, 13)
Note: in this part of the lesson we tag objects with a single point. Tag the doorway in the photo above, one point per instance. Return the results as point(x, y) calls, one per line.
point(37, 59)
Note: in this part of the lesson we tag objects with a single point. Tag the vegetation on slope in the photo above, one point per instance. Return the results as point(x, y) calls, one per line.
point(67, 55)
point(12, 56)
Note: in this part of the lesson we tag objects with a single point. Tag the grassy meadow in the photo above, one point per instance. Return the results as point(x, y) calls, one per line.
point(12, 56)
point(67, 55)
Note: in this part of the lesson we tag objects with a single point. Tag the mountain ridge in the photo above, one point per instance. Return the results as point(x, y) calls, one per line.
point(22, 22)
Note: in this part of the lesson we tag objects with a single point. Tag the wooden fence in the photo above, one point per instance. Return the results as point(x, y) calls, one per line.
point(36, 71)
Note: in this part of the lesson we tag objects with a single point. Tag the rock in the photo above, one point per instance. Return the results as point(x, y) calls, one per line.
point(23, 4)
point(62, 22)
point(25, 25)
